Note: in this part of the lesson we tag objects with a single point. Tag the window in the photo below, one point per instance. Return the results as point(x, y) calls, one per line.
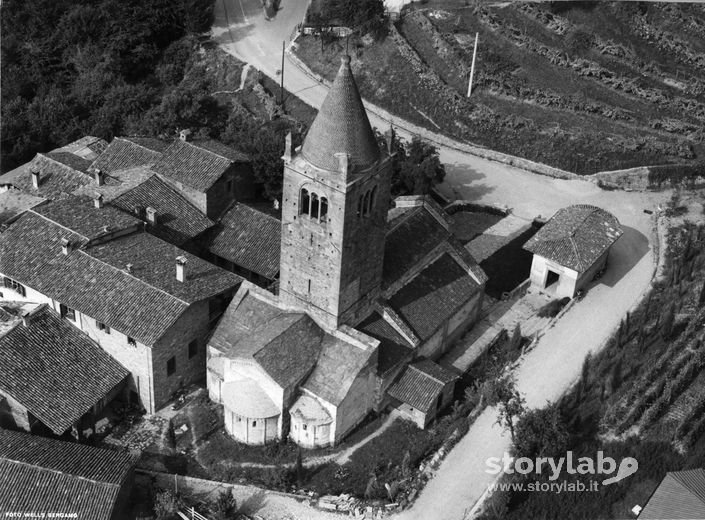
point(359, 207)
point(304, 202)
point(131, 341)
point(324, 208)
point(314, 205)
point(254, 423)
point(366, 204)
point(67, 312)
point(103, 327)
point(171, 366)
point(193, 348)
point(15, 286)
point(304, 426)
point(373, 197)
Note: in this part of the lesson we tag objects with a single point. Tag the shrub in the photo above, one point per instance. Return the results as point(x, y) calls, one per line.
point(552, 308)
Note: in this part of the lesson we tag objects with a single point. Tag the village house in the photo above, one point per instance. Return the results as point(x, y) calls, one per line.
point(571, 248)
point(47, 476)
point(209, 174)
point(53, 378)
point(147, 303)
point(362, 291)
point(681, 494)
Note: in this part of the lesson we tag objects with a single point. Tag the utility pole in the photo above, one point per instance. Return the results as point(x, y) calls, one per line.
point(281, 94)
point(472, 67)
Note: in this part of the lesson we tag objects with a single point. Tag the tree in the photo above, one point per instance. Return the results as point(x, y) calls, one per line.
point(416, 166)
point(541, 433)
point(362, 16)
point(225, 506)
point(511, 404)
point(166, 504)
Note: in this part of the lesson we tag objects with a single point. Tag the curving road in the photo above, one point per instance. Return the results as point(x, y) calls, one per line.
point(555, 363)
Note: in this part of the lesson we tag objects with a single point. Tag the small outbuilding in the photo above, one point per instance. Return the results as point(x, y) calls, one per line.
point(681, 494)
point(571, 248)
point(423, 390)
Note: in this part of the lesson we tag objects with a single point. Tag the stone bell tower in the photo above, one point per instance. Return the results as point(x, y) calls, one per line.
point(334, 211)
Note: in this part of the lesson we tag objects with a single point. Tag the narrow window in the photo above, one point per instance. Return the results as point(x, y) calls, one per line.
point(254, 423)
point(324, 208)
point(305, 427)
point(359, 207)
point(314, 205)
point(102, 326)
point(373, 198)
point(67, 312)
point(304, 202)
point(309, 286)
point(131, 341)
point(171, 366)
point(366, 204)
point(192, 348)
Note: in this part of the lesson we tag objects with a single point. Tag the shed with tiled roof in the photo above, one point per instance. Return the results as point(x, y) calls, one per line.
point(41, 475)
point(54, 372)
point(423, 390)
point(571, 248)
point(681, 494)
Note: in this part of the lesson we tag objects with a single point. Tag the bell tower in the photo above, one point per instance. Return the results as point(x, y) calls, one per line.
point(334, 211)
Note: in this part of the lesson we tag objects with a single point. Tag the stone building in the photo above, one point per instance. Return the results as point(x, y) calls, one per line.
point(363, 291)
point(53, 378)
point(571, 248)
point(146, 302)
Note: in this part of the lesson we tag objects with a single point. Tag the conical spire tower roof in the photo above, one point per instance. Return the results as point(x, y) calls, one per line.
point(341, 126)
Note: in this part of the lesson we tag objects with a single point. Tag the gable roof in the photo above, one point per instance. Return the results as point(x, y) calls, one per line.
point(337, 368)
point(421, 384)
point(14, 202)
point(393, 347)
point(248, 238)
point(58, 175)
point(434, 295)
point(87, 147)
point(576, 236)
point(40, 474)
point(681, 494)
point(414, 236)
point(55, 370)
point(198, 164)
point(94, 278)
point(341, 126)
point(129, 152)
point(178, 221)
point(284, 344)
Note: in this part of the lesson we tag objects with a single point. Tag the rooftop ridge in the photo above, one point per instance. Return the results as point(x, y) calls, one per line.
point(194, 145)
point(57, 472)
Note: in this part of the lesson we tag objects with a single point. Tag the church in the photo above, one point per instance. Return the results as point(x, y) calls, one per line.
point(366, 288)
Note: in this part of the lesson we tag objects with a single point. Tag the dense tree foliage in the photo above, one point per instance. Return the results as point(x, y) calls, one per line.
point(77, 67)
point(416, 166)
point(362, 16)
point(541, 433)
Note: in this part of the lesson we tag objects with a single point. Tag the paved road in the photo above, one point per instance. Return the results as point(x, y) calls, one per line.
point(556, 361)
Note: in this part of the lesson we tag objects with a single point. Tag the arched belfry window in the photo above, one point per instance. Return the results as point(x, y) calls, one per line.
point(324, 208)
point(373, 197)
point(359, 207)
point(304, 202)
point(314, 205)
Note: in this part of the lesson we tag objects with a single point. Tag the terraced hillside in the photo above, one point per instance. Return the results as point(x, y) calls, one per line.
point(583, 86)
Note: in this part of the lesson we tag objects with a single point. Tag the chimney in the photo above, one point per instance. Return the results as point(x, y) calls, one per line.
point(390, 140)
point(276, 204)
point(181, 268)
point(287, 148)
point(98, 176)
point(98, 201)
point(185, 134)
point(26, 318)
point(65, 246)
point(128, 268)
point(151, 215)
point(35, 177)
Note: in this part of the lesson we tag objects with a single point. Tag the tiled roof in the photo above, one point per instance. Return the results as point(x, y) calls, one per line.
point(338, 366)
point(309, 410)
point(124, 153)
point(142, 304)
point(576, 236)
point(681, 494)
point(116, 183)
point(54, 370)
point(87, 147)
point(410, 241)
point(286, 345)
point(393, 348)
point(56, 178)
point(246, 398)
point(178, 221)
point(341, 126)
point(81, 216)
point(70, 160)
point(45, 475)
point(198, 164)
point(434, 295)
point(421, 384)
point(14, 202)
point(250, 239)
